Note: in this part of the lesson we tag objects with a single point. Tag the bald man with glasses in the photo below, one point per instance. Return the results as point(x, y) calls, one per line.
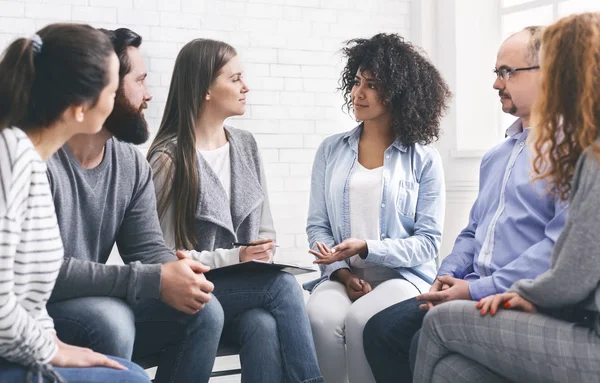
point(512, 227)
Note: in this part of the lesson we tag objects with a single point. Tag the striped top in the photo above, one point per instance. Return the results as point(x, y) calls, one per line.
point(30, 252)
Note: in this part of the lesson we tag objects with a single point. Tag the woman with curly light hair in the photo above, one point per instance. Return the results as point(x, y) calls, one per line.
point(545, 329)
point(377, 199)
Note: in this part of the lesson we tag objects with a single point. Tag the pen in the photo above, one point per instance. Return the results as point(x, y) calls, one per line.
point(249, 244)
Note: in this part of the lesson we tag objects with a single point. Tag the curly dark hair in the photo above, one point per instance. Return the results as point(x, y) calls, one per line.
point(407, 82)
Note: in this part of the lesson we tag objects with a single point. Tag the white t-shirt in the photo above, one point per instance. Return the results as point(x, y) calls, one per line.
point(365, 202)
point(220, 162)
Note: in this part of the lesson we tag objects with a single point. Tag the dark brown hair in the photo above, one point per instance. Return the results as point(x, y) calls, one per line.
point(122, 39)
point(40, 79)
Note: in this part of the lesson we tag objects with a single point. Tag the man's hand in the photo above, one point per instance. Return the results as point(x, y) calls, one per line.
point(261, 251)
point(445, 288)
point(435, 287)
point(355, 287)
point(344, 250)
point(183, 285)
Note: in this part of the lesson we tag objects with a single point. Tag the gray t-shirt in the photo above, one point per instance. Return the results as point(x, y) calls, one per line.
point(113, 202)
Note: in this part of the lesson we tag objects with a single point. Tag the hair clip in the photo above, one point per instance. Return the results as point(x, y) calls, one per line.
point(36, 42)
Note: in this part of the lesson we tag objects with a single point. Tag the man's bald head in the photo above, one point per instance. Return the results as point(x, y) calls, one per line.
point(531, 36)
point(517, 93)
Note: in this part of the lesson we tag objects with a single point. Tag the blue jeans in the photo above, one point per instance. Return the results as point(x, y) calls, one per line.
point(390, 340)
point(187, 344)
point(12, 372)
point(265, 315)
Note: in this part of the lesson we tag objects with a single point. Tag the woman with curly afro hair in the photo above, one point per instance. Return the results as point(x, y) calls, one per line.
point(377, 199)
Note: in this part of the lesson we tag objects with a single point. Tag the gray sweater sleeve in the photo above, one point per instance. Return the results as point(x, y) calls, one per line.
point(574, 273)
point(79, 278)
point(140, 240)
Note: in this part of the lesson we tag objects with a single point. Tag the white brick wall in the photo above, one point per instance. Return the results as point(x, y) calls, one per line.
point(289, 48)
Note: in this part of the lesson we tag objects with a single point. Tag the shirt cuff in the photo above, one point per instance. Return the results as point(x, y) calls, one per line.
point(50, 351)
point(445, 272)
point(482, 288)
point(230, 257)
point(328, 270)
point(376, 251)
point(145, 282)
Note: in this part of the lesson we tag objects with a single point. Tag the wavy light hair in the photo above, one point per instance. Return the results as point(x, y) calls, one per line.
point(566, 113)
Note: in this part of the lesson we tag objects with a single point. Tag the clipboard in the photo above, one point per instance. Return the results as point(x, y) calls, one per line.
point(261, 265)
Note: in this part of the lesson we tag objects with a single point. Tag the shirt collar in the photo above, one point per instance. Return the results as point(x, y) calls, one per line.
point(353, 136)
point(515, 128)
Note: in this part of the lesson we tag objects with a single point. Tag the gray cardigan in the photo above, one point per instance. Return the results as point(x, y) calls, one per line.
point(220, 222)
point(574, 276)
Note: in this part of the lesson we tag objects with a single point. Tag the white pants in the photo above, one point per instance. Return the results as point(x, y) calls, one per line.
point(337, 326)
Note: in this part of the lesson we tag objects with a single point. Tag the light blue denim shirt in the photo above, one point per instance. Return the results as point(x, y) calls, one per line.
point(411, 215)
point(513, 223)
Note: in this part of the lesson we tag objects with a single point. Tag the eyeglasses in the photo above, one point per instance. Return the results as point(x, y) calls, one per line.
point(504, 73)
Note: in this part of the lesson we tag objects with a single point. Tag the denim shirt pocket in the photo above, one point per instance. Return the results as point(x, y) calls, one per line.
point(406, 203)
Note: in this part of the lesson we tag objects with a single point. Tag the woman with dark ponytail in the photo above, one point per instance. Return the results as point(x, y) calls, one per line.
point(56, 84)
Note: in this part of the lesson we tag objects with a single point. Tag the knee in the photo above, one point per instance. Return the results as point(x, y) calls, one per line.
point(109, 324)
point(436, 314)
point(260, 324)
point(356, 319)
point(286, 285)
point(116, 323)
point(116, 316)
point(134, 373)
point(446, 317)
point(324, 318)
point(209, 318)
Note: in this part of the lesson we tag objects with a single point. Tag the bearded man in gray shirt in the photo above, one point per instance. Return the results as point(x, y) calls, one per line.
point(103, 193)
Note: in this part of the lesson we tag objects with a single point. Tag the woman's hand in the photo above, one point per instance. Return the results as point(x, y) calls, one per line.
point(261, 251)
point(355, 287)
point(73, 356)
point(511, 301)
point(344, 250)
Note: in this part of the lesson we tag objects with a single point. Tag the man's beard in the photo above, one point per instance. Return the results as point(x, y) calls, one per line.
point(513, 109)
point(126, 122)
